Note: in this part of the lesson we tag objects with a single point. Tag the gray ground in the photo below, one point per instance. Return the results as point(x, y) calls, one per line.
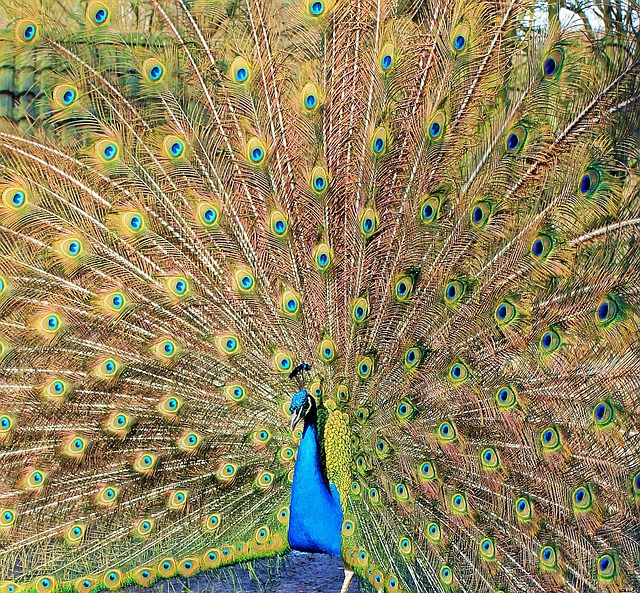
point(296, 573)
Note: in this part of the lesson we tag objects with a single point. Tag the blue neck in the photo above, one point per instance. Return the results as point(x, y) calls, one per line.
point(315, 522)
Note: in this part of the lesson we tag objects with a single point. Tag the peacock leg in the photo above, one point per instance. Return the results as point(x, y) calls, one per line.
point(348, 577)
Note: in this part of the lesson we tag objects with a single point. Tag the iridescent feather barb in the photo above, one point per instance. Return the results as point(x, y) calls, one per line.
point(431, 204)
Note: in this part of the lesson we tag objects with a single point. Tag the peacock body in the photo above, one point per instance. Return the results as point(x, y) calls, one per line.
point(392, 243)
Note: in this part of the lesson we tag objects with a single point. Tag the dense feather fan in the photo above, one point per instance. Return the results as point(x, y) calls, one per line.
point(431, 202)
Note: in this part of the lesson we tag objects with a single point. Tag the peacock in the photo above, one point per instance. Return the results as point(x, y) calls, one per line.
point(359, 277)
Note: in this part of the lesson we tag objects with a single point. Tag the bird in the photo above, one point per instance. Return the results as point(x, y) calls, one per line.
point(358, 277)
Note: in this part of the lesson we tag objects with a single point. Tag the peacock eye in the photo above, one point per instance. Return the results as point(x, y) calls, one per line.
point(436, 126)
point(553, 63)
point(387, 57)
point(550, 341)
point(589, 182)
point(316, 8)
point(505, 313)
point(379, 141)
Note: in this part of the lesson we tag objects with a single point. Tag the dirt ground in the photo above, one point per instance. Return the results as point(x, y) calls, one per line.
point(295, 573)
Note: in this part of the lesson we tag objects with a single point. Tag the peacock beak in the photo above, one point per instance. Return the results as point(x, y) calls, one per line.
point(297, 415)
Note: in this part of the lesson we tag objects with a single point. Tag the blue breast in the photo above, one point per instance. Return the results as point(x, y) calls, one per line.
point(315, 520)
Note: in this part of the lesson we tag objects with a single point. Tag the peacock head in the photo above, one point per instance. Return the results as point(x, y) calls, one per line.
point(301, 403)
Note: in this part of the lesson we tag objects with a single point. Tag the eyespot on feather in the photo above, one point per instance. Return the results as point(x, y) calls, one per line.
point(167, 567)
point(487, 549)
point(490, 459)
point(505, 313)
point(45, 584)
point(144, 575)
point(290, 303)
point(523, 509)
point(244, 280)
point(582, 499)
point(541, 247)
point(85, 584)
point(437, 125)
point(458, 502)
point(144, 463)
point(548, 558)
point(480, 214)
point(365, 367)
point(177, 500)
point(453, 292)
point(228, 344)
point(310, 97)
point(405, 411)
point(255, 151)
point(550, 341)
point(107, 496)
point(153, 69)
point(446, 575)
point(211, 559)
point(589, 182)
point(552, 64)
point(278, 223)
point(227, 472)
point(74, 535)
point(166, 350)
point(236, 392)
point(71, 249)
point(143, 528)
point(403, 287)
point(265, 480)
point(174, 147)
point(107, 150)
point(458, 373)
point(506, 397)
point(64, 95)
point(212, 522)
point(179, 286)
point(98, 13)
point(429, 209)
point(550, 439)
point(317, 8)
point(434, 533)
point(240, 71)
point(56, 390)
point(327, 350)
point(169, 406)
point(387, 59)
point(8, 425)
point(322, 257)
point(282, 361)
point(460, 38)
point(607, 567)
point(34, 480)
point(74, 446)
point(515, 139)
point(369, 222)
point(190, 442)
point(603, 414)
point(379, 141)
point(427, 472)
point(27, 31)
point(8, 519)
point(447, 431)
point(360, 310)
point(107, 369)
point(207, 215)
point(319, 180)
point(189, 566)
point(412, 357)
